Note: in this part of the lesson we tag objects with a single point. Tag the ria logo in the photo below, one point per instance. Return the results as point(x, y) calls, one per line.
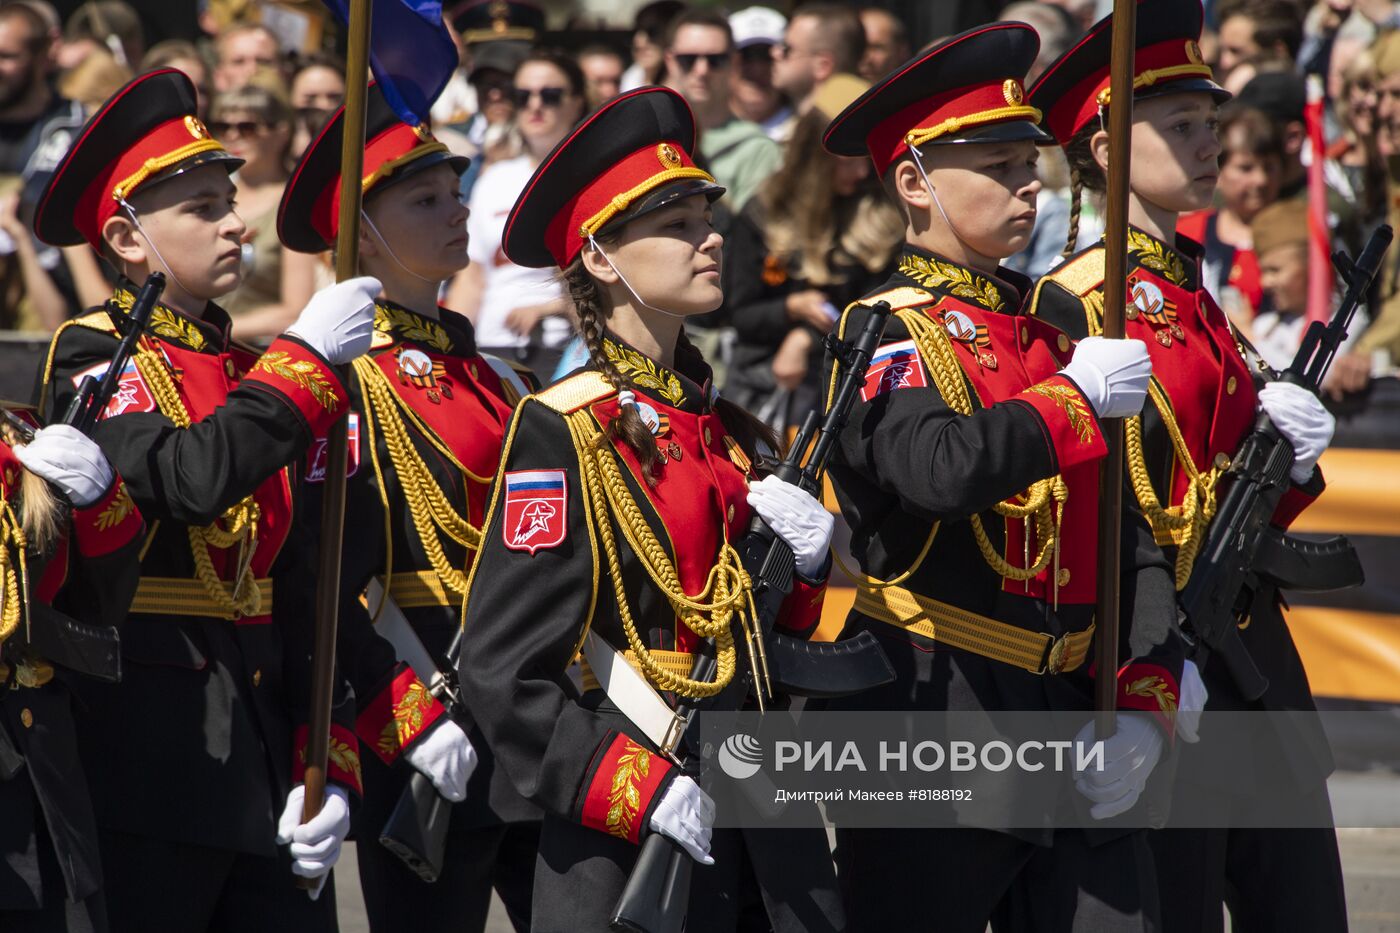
point(740, 756)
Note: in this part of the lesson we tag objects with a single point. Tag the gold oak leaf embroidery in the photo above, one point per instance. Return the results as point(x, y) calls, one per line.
point(303, 373)
point(625, 798)
point(344, 757)
point(1075, 408)
point(411, 327)
point(116, 511)
point(164, 322)
point(1156, 688)
point(408, 718)
point(644, 372)
point(1152, 255)
point(956, 280)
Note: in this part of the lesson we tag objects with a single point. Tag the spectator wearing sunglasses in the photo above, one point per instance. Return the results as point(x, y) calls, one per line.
point(317, 91)
point(520, 314)
point(752, 95)
point(254, 122)
point(822, 39)
point(700, 64)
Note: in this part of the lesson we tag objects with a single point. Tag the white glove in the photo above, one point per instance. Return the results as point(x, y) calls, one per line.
point(1301, 418)
point(796, 517)
point(686, 814)
point(66, 457)
point(1112, 374)
point(1129, 755)
point(315, 846)
point(338, 321)
point(447, 758)
point(1190, 704)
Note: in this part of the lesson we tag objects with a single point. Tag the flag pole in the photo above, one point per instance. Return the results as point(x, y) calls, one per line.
point(1115, 298)
point(333, 514)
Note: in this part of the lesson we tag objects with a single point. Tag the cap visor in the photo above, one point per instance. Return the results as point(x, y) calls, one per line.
point(1011, 131)
point(1183, 86)
point(231, 163)
point(661, 197)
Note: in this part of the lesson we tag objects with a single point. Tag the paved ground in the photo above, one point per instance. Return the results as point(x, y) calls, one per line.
point(1370, 858)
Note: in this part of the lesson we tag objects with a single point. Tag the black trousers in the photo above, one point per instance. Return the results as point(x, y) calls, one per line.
point(1271, 880)
point(175, 888)
point(957, 880)
point(476, 861)
point(56, 914)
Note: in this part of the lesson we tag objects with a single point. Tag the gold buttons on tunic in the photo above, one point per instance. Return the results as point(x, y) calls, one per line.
point(230, 369)
point(1222, 461)
point(1063, 578)
point(257, 677)
point(1231, 385)
point(26, 717)
point(1063, 343)
point(473, 370)
point(707, 437)
point(730, 513)
point(1025, 335)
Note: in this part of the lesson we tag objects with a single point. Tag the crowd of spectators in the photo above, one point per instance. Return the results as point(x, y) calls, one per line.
point(806, 232)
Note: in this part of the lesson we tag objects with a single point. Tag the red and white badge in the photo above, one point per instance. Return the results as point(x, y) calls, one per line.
point(316, 455)
point(536, 515)
point(131, 395)
point(894, 366)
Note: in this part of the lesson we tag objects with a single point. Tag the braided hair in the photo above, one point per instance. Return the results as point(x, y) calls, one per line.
point(1084, 173)
point(628, 428)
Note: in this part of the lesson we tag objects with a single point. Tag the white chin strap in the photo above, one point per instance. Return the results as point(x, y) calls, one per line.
point(919, 164)
point(392, 255)
point(628, 285)
point(136, 221)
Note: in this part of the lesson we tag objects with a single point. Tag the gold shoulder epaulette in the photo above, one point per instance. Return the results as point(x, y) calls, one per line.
point(571, 394)
point(906, 296)
point(96, 320)
point(1080, 274)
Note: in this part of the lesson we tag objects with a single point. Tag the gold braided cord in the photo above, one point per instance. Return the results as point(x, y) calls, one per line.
point(1043, 502)
point(14, 571)
point(429, 507)
point(240, 521)
point(1184, 523)
point(728, 590)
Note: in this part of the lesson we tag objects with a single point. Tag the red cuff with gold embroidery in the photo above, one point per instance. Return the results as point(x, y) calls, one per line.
point(802, 609)
point(397, 715)
point(342, 761)
point(304, 380)
point(108, 524)
point(1296, 499)
point(1150, 688)
point(1071, 428)
point(622, 789)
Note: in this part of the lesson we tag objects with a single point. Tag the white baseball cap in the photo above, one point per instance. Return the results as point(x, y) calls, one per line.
point(757, 25)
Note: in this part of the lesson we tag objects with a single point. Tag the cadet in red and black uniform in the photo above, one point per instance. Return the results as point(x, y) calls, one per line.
point(623, 491)
point(969, 474)
point(429, 415)
point(71, 572)
point(1205, 397)
point(192, 755)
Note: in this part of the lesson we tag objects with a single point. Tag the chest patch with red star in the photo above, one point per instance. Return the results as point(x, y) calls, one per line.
point(535, 516)
point(894, 366)
point(131, 395)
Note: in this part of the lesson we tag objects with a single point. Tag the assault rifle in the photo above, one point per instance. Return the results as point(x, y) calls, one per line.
point(90, 649)
point(657, 894)
point(1243, 551)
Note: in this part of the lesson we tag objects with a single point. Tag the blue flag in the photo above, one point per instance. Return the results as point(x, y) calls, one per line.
point(410, 52)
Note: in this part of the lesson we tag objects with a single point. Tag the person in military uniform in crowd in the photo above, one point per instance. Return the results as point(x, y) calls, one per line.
point(429, 414)
point(622, 493)
point(82, 562)
point(193, 754)
point(1204, 400)
point(969, 475)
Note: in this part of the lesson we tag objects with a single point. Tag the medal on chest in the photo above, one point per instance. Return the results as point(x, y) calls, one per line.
point(1146, 300)
point(418, 369)
point(975, 337)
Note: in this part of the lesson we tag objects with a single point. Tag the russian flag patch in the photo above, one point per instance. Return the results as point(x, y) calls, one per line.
point(894, 366)
point(535, 510)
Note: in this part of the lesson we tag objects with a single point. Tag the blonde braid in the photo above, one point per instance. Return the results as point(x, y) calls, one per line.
point(1076, 205)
